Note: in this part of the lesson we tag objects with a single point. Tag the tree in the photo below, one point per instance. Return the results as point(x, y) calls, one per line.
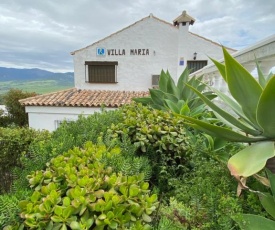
point(16, 111)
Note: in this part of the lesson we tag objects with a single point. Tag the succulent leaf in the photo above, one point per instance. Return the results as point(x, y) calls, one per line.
point(266, 109)
point(252, 159)
point(243, 86)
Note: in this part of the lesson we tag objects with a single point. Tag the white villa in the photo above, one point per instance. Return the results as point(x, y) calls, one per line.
point(124, 65)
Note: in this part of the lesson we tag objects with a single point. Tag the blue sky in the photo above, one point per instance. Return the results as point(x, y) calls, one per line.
point(42, 33)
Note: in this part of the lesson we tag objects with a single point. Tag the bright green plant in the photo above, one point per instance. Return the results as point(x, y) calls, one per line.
point(253, 103)
point(76, 191)
point(177, 97)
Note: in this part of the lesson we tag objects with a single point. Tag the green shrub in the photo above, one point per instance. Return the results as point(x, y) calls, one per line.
point(205, 197)
point(67, 136)
point(76, 133)
point(158, 135)
point(16, 110)
point(14, 145)
point(76, 191)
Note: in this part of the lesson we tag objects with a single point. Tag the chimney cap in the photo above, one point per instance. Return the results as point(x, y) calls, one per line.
point(184, 17)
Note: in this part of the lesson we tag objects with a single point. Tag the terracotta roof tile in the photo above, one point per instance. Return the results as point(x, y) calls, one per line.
point(84, 98)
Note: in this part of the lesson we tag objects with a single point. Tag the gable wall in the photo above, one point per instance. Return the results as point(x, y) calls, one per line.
point(133, 71)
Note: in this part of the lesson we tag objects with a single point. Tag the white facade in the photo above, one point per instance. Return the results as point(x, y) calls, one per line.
point(141, 50)
point(158, 45)
point(49, 118)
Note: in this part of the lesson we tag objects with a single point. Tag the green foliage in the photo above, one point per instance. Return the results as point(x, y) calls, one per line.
point(14, 145)
point(177, 97)
point(15, 109)
point(127, 162)
point(9, 210)
point(76, 191)
point(76, 133)
point(253, 105)
point(205, 197)
point(250, 221)
point(159, 136)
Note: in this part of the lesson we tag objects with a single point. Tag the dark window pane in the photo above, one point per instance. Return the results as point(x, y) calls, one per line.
point(101, 72)
point(193, 66)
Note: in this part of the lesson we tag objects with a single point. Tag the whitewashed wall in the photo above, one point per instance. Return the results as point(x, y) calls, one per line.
point(134, 71)
point(42, 117)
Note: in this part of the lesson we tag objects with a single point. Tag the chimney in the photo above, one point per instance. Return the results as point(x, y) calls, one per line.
point(183, 22)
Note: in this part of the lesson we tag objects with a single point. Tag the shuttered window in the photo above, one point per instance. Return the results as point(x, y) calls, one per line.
point(193, 66)
point(101, 72)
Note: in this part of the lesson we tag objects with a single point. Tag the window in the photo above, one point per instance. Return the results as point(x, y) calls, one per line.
point(193, 66)
point(155, 81)
point(101, 72)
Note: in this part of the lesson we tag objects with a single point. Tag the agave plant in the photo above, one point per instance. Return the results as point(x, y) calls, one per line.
point(253, 103)
point(177, 97)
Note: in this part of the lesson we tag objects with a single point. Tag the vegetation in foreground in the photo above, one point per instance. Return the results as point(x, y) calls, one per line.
point(134, 168)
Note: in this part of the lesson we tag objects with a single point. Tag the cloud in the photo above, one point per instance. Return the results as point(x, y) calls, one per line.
point(43, 33)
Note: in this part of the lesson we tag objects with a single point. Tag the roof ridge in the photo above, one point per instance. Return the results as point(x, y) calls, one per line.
point(207, 39)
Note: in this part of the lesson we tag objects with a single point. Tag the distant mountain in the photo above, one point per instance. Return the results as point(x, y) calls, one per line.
point(13, 74)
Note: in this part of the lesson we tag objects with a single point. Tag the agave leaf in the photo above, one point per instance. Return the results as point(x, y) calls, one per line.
point(228, 117)
point(220, 132)
point(262, 80)
point(157, 96)
point(266, 109)
point(185, 110)
point(183, 78)
point(181, 82)
point(233, 105)
point(252, 159)
point(170, 97)
point(163, 79)
point(143, 100)
point(243, 86)
point(221, 68)
point(172, 106)
point(270, 75)
point(188, 94)
point(253, 222)
point(268, 203)
point(171, 86)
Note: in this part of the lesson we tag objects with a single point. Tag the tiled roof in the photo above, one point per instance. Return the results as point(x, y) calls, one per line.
point(84, 98)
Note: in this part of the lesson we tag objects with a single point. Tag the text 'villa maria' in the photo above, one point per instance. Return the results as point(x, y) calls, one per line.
point(118, 52)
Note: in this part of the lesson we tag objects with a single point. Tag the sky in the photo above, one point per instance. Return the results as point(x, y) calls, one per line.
point(43, 33)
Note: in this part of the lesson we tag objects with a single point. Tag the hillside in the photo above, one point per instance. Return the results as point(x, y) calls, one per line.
point(35, 80)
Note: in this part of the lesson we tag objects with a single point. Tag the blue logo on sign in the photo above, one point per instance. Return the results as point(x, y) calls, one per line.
point(100, 51)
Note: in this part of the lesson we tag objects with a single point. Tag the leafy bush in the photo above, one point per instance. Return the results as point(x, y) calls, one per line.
point(77, 191)
point(16, 110)
point(158, 135)
point(14, 145)
point(67, 136)
point(76, 133)
point(205, 197)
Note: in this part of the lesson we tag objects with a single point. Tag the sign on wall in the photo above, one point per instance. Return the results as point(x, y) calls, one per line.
point(181, 61)
point(121, 52)
point(100, 51)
